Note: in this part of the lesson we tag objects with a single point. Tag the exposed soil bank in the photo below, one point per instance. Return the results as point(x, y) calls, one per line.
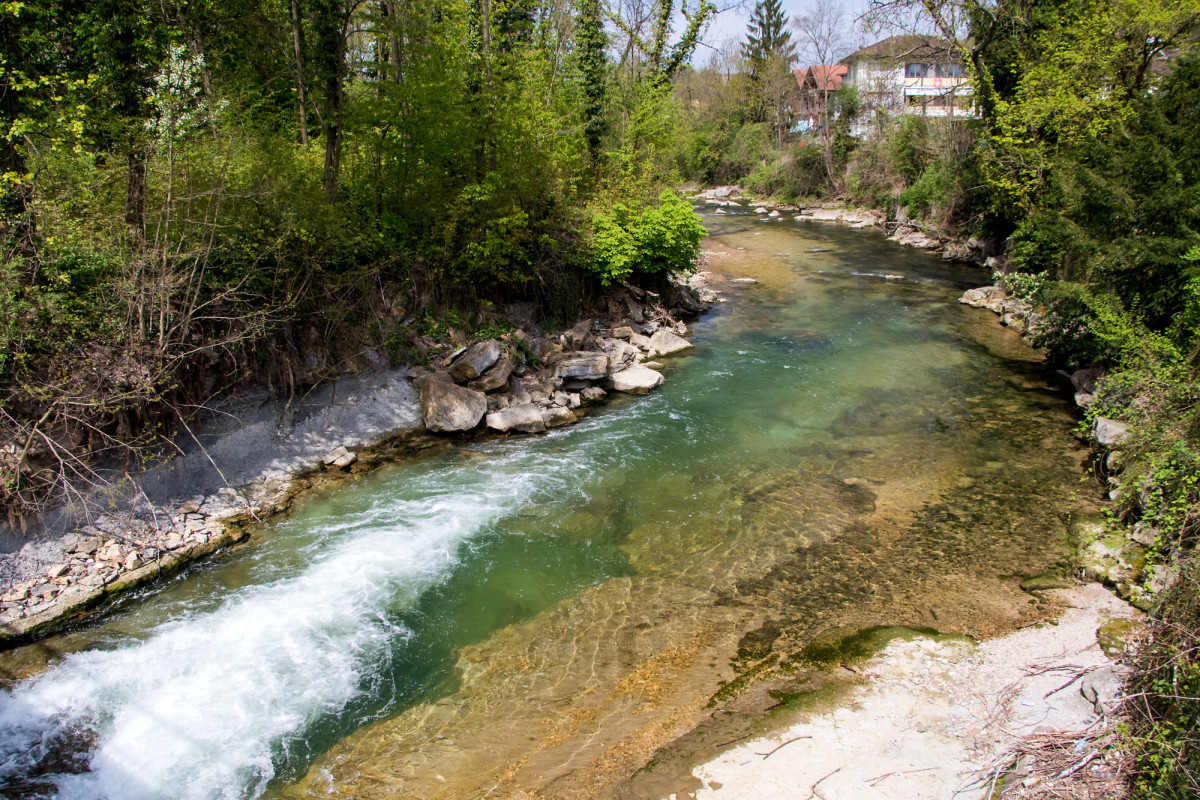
point(934, 719)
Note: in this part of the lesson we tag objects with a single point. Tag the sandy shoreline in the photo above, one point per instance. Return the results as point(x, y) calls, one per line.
point(934, 719)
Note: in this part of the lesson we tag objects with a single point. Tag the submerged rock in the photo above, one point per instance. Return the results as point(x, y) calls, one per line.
point(447, 407)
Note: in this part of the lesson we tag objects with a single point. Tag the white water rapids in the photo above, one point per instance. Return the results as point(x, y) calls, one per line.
point(204, 707)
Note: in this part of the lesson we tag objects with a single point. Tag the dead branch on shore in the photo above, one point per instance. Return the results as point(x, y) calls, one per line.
point(1063, 764)
point(777, 749)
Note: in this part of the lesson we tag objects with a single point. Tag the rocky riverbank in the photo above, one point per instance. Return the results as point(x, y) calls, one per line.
point(907, 233)
point(256, 453)
point(1114, 554)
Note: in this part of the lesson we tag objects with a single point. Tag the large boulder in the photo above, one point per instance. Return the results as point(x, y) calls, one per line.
point(1110, 432)
point(475, 361)
point(447, 407)
point(526, 417)
point(587, 366)
point(575, 337)
point(989, 297)
point(636, 380)
point(664, 343)
point(496, 376)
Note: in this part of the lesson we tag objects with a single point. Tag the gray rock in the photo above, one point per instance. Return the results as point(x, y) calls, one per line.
point(496, 376)
point(622, 332)
point(575, 337)
point(562, 399)
point(1162, 578)
point(338, 457)
point(526, 417)
point(1110, 432)
point(636, 380)
point(588, 366)
point(1144, 535)
point(475, 361)
point(989, 297)
point(664, 343)
point(591, 394)
point(544, 350)
point(556, 416)
point(518, 393)
point(1085, 380)
point(639, 341)
point(446, 407)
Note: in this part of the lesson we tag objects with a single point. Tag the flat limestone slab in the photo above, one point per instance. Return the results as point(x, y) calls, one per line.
point(636, 380)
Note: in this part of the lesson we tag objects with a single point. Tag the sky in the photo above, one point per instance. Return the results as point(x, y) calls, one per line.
point(731, 24)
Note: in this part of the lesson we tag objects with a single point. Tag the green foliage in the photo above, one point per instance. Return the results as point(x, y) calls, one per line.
point(1164, 730)
point(662, 240)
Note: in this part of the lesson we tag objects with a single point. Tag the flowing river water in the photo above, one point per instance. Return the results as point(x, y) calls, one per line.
point(842, 458)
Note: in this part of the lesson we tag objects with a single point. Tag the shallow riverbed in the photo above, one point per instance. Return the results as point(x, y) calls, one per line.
point(846, 454)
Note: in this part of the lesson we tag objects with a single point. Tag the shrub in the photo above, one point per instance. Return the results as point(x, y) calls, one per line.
point(662, 240)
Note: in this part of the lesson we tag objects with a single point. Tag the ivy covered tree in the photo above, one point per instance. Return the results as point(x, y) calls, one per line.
point(591, 46)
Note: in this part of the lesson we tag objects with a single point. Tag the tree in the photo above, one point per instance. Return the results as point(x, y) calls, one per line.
point(662, 59)
point(824, 37)
point(769, 54)
point(591, 45)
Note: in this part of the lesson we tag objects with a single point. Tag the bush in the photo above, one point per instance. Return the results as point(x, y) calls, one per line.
point(1163, 707)
point(662, 240)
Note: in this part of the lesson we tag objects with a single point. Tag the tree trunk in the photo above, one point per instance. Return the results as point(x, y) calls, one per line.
point(135, 195)
point(299, 73)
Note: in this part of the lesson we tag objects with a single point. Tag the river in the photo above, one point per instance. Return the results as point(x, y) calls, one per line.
point(846, 455)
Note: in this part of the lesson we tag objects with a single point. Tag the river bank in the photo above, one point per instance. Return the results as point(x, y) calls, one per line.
point(1030, 714)
point(253, 454)
point(594, 611)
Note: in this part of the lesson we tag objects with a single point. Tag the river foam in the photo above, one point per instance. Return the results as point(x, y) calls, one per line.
point(209, 704)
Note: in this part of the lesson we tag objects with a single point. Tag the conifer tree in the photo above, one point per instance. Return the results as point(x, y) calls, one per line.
point(767, 37)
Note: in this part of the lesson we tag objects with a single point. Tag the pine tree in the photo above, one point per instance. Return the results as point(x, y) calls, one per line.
point(767, 37)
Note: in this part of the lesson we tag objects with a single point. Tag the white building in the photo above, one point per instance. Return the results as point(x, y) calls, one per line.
point(909, 75)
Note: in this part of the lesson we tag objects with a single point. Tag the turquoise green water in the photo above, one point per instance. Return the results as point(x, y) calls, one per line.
point(838, 452)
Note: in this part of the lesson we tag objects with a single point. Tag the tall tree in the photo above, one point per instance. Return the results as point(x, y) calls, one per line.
point(663, 58)
point(769, 54)
point(767, 37)
point(591, 45)
point(824, 37)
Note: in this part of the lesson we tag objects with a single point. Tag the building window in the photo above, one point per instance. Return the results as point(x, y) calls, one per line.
point(949, 70)
point(915, 70)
